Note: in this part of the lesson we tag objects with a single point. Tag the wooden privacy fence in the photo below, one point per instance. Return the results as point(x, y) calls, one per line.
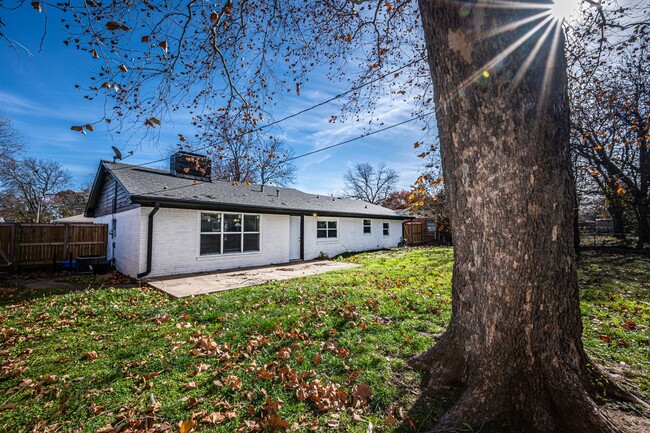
point(415, 232)
point(33, 245)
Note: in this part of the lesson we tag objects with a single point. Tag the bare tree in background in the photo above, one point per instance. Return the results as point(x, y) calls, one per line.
point(30, 186)
point(611, 134)
point(273, 164)
point(239, 155)
point(368, 183)
point(12, 143)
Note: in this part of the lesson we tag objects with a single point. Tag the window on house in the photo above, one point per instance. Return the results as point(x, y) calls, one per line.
point(367, 227)
point(386, 229)
point(229, 233)
point(210, 233)
point(326, 229)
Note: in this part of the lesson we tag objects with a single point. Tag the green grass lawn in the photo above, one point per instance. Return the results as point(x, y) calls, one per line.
point(311, 354)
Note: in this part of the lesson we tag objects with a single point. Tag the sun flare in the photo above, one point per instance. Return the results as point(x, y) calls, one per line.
point(564, 10)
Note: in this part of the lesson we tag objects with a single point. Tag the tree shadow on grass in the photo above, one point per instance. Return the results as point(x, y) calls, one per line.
point(15, 294)
point(15, 289)
point(602, 274)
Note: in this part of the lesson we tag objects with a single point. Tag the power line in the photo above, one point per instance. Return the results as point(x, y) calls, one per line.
point(341, 143)
point(368, 134)
point(296, 114)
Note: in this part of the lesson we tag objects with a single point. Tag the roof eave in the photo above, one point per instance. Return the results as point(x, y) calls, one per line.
point(202, 205)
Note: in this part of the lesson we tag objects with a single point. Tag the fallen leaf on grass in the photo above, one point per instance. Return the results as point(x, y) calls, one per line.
point(214, 418)
point(190, 385)
point(629, 325)
point(361, 394)
point(96, 410)
point(274, 422)
point(90, 355)
point(233, 382)
point(192, 402)
point(186, 426)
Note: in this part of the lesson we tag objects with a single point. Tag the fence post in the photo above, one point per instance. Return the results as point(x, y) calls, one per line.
point(65, 240)
point(14, 243)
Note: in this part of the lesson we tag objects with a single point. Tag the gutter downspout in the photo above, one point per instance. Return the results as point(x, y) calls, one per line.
point(150, 240)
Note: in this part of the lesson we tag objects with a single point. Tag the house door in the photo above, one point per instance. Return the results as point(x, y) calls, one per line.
point(294, 238)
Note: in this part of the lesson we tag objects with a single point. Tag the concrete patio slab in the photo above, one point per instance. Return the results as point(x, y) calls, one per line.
point(201, 284)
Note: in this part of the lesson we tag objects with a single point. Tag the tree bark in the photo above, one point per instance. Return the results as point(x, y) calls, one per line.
point(512, 355)
point(643, 221)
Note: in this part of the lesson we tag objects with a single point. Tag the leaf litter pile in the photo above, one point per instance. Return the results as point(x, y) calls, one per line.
point(323, 353)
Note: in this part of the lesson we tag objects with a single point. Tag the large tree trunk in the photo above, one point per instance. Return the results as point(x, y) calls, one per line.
point(513, 350)
point(643, 221)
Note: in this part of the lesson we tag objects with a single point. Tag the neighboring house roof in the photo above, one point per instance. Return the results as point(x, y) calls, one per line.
point(147, 186)
point(74, 219)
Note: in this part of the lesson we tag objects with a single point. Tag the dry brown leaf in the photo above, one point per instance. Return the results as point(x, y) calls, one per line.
point(192, 402)
point(274, 422)
point(190, 385)
point(214, 418)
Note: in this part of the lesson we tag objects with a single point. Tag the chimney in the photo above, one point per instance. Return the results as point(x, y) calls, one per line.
point(190, 166)
point(261, 187)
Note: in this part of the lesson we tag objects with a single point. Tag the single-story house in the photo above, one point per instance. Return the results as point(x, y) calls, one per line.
point(181, 221)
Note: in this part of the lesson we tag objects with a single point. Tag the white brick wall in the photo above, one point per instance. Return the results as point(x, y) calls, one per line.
point(176, 241)
point(350, 236)
point(127, 240)
point(176, 244)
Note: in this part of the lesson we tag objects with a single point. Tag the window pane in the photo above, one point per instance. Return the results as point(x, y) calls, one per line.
point(331, 224)
point(231, 243)
point(366, 222)
point(210, 244)
point(331, 234)
point(252, 242)
point(321, 233)
point(210, 222)
point(231, 223)
point(321, 224)
point(251, 223)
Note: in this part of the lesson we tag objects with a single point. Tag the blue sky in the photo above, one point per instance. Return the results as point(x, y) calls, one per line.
point(37, 93)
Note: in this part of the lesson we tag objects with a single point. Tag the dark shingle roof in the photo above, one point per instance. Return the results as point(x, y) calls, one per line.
point(147, 186)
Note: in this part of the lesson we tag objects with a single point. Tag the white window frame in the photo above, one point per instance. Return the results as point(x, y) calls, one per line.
point(368, 226)
point(222, 214)
point(386, 229)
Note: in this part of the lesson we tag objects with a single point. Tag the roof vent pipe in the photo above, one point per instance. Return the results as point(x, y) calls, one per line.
point(277, 193)
point(261, 187)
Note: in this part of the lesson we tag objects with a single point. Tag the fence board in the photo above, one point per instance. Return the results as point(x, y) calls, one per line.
point(26, 245)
